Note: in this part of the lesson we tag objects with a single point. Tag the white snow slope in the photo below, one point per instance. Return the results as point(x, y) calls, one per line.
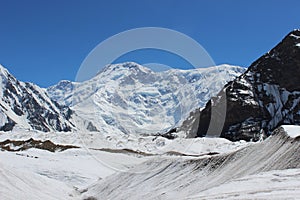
point(213, 176)
point(201, 168)
point(292, 130)
point(21, 184)
point(130, 98)
point(99, 157)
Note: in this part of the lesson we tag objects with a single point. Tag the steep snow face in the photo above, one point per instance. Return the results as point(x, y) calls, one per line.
point(130, 98)
point(266, 96)
point(27, 106)
point(292, 130)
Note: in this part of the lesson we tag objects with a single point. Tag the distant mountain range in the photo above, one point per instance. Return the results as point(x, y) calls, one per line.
point(124, 98)
point(129, 98)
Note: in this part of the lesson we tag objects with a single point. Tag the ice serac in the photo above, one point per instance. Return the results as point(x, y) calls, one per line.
point(130, 98)
point(265, 96)
point(27, 106)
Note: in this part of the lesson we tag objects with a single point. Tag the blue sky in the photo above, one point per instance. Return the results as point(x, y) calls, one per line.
point(46, 41)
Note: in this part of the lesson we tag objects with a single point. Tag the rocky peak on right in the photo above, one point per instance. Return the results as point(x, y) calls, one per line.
point(266, 96)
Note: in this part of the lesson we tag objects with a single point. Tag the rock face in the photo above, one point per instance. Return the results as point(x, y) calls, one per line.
point(27, 106)
point(265, 96)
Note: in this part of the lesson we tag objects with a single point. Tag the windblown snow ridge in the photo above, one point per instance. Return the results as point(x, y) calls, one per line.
point(181, 178)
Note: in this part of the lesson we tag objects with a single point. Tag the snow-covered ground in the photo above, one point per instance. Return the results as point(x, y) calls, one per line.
point(146, 144)
point(23, 184)
point(276, 184)
point(75, 167)
point(181, 178)
point(131, 167)
point(98, 157)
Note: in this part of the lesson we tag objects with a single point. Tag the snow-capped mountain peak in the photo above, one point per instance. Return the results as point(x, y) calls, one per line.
point(131, 98)
point(124, 67)
point(3, 71)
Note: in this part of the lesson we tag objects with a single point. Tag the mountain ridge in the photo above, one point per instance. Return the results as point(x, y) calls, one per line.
point(130, 87)
point(29, 107)
point(131, 98)
point(264, 97)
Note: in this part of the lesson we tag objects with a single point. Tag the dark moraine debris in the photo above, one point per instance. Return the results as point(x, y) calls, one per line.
point(21, 145)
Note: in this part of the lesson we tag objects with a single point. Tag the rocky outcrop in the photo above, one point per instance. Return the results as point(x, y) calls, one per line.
point(266, 96)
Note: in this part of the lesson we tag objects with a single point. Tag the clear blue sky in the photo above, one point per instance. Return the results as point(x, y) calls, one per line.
point(46, 41)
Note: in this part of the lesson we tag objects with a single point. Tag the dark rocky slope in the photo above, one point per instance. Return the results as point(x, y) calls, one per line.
point(266, 96)
point(28, 106)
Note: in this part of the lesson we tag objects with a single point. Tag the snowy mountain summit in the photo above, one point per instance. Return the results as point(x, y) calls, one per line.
point(266, 96)
point(130, 98)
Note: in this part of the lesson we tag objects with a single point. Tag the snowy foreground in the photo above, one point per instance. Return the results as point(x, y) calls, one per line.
point(130, 167)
